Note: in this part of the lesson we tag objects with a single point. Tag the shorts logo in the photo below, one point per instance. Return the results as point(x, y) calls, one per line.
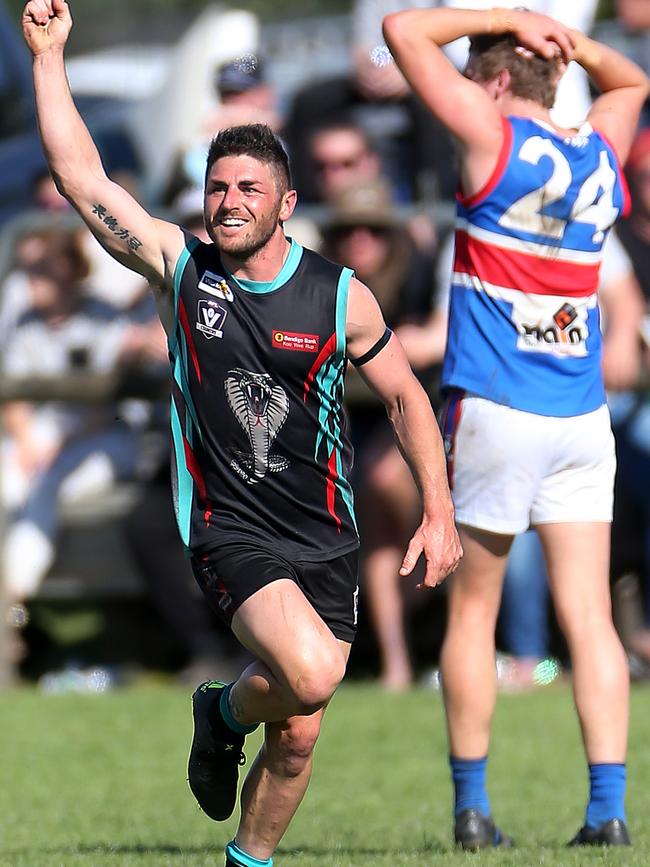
point(210, 318)
point(295, 341)
point(215, 285)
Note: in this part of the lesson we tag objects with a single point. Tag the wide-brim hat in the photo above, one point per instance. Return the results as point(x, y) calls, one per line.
point(363, 203)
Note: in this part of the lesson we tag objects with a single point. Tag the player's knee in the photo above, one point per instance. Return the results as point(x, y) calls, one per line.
point(477, 615)
point(296, 744)
point(318, 681)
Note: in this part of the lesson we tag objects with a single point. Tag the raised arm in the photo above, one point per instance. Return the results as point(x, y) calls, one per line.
point(415, 37)
point(386, 370)
point(119, 223)
point(624, 88)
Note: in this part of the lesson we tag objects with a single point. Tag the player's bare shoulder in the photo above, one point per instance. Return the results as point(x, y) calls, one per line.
point(172, 243)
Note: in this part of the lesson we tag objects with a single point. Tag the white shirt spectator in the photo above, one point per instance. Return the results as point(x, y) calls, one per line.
point(91, 339)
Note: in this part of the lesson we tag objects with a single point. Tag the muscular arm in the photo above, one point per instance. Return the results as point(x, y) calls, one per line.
point(624, 88)
point(416, 431)
point(415, 38)
point(120, 224)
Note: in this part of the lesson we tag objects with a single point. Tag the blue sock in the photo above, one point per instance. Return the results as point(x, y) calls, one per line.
point(606, 794)
point(469, 785)
point(228, 718)
point(243, 859)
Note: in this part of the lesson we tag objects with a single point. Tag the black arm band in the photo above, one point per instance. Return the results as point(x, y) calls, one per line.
point(374, 350)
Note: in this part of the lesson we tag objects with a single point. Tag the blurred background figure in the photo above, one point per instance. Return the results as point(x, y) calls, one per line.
point(364, 232)
point(634, 15)
point(374, 96)
point(245, 96)
point(242, 96)
point(341, 154)
point(55, 449)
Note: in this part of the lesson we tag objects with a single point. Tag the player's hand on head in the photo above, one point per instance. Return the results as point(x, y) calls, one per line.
point(436, 538)
point(46, 25)
point(542, 35)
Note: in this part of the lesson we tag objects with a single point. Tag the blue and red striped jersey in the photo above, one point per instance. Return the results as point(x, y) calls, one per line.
point(524, 325)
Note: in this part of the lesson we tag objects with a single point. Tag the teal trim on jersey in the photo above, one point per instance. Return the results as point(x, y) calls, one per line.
point(179, 270)
point(345, 488)
point(177, 343)
point(191, 416)
point(328, 379)
point(178, 351)
point(185, 482)
point(180, 378)
point(342, 309)
point(325, 379)
point(327, 375)
point(341, 320)
point(261, 287)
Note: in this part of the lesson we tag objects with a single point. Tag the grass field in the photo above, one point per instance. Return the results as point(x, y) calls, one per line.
point(100, 780)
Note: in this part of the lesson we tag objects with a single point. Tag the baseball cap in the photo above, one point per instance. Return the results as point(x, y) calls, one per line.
point(240, 75)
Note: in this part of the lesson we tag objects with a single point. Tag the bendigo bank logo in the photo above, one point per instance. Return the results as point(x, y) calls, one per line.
point(564, 332)
point(295, 341)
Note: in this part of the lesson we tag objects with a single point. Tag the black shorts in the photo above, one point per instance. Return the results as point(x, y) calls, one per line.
point(229, 574)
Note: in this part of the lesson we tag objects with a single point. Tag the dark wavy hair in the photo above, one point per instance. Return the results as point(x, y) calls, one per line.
point(255, 140)
point(531, 76)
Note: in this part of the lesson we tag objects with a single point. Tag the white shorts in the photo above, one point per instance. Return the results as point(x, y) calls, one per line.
point(509, 469)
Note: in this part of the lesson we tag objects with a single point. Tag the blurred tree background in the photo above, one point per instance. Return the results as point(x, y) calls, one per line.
point(98, 23)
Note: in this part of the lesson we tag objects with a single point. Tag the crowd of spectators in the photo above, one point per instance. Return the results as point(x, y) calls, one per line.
point(374, 172)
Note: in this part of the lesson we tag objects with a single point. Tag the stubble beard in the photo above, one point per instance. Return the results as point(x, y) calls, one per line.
point(248, 247)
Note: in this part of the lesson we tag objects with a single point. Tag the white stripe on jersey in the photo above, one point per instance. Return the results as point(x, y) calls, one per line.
point(543, 251)
point(504, 293)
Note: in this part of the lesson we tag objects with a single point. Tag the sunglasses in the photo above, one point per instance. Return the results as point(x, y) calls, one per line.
point(376, 231)
point(345, 163)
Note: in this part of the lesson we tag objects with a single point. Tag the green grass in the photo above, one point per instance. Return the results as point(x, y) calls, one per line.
point(100, 780)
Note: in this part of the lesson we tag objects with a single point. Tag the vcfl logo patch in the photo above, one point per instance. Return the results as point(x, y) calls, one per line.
point(211, 316)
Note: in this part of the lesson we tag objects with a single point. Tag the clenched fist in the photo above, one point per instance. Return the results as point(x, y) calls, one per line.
point(46, 25)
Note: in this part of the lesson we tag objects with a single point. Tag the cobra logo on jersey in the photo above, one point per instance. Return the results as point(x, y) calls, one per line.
point(261, 408)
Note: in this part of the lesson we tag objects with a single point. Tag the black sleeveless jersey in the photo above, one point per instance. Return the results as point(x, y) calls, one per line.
point(260, 443)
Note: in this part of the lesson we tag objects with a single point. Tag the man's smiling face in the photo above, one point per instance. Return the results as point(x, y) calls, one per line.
point(244, 204)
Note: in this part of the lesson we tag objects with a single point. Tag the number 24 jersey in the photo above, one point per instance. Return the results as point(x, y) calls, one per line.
point(524, 324)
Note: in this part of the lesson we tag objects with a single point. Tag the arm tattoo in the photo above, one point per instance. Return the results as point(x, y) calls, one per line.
point(111, 223)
